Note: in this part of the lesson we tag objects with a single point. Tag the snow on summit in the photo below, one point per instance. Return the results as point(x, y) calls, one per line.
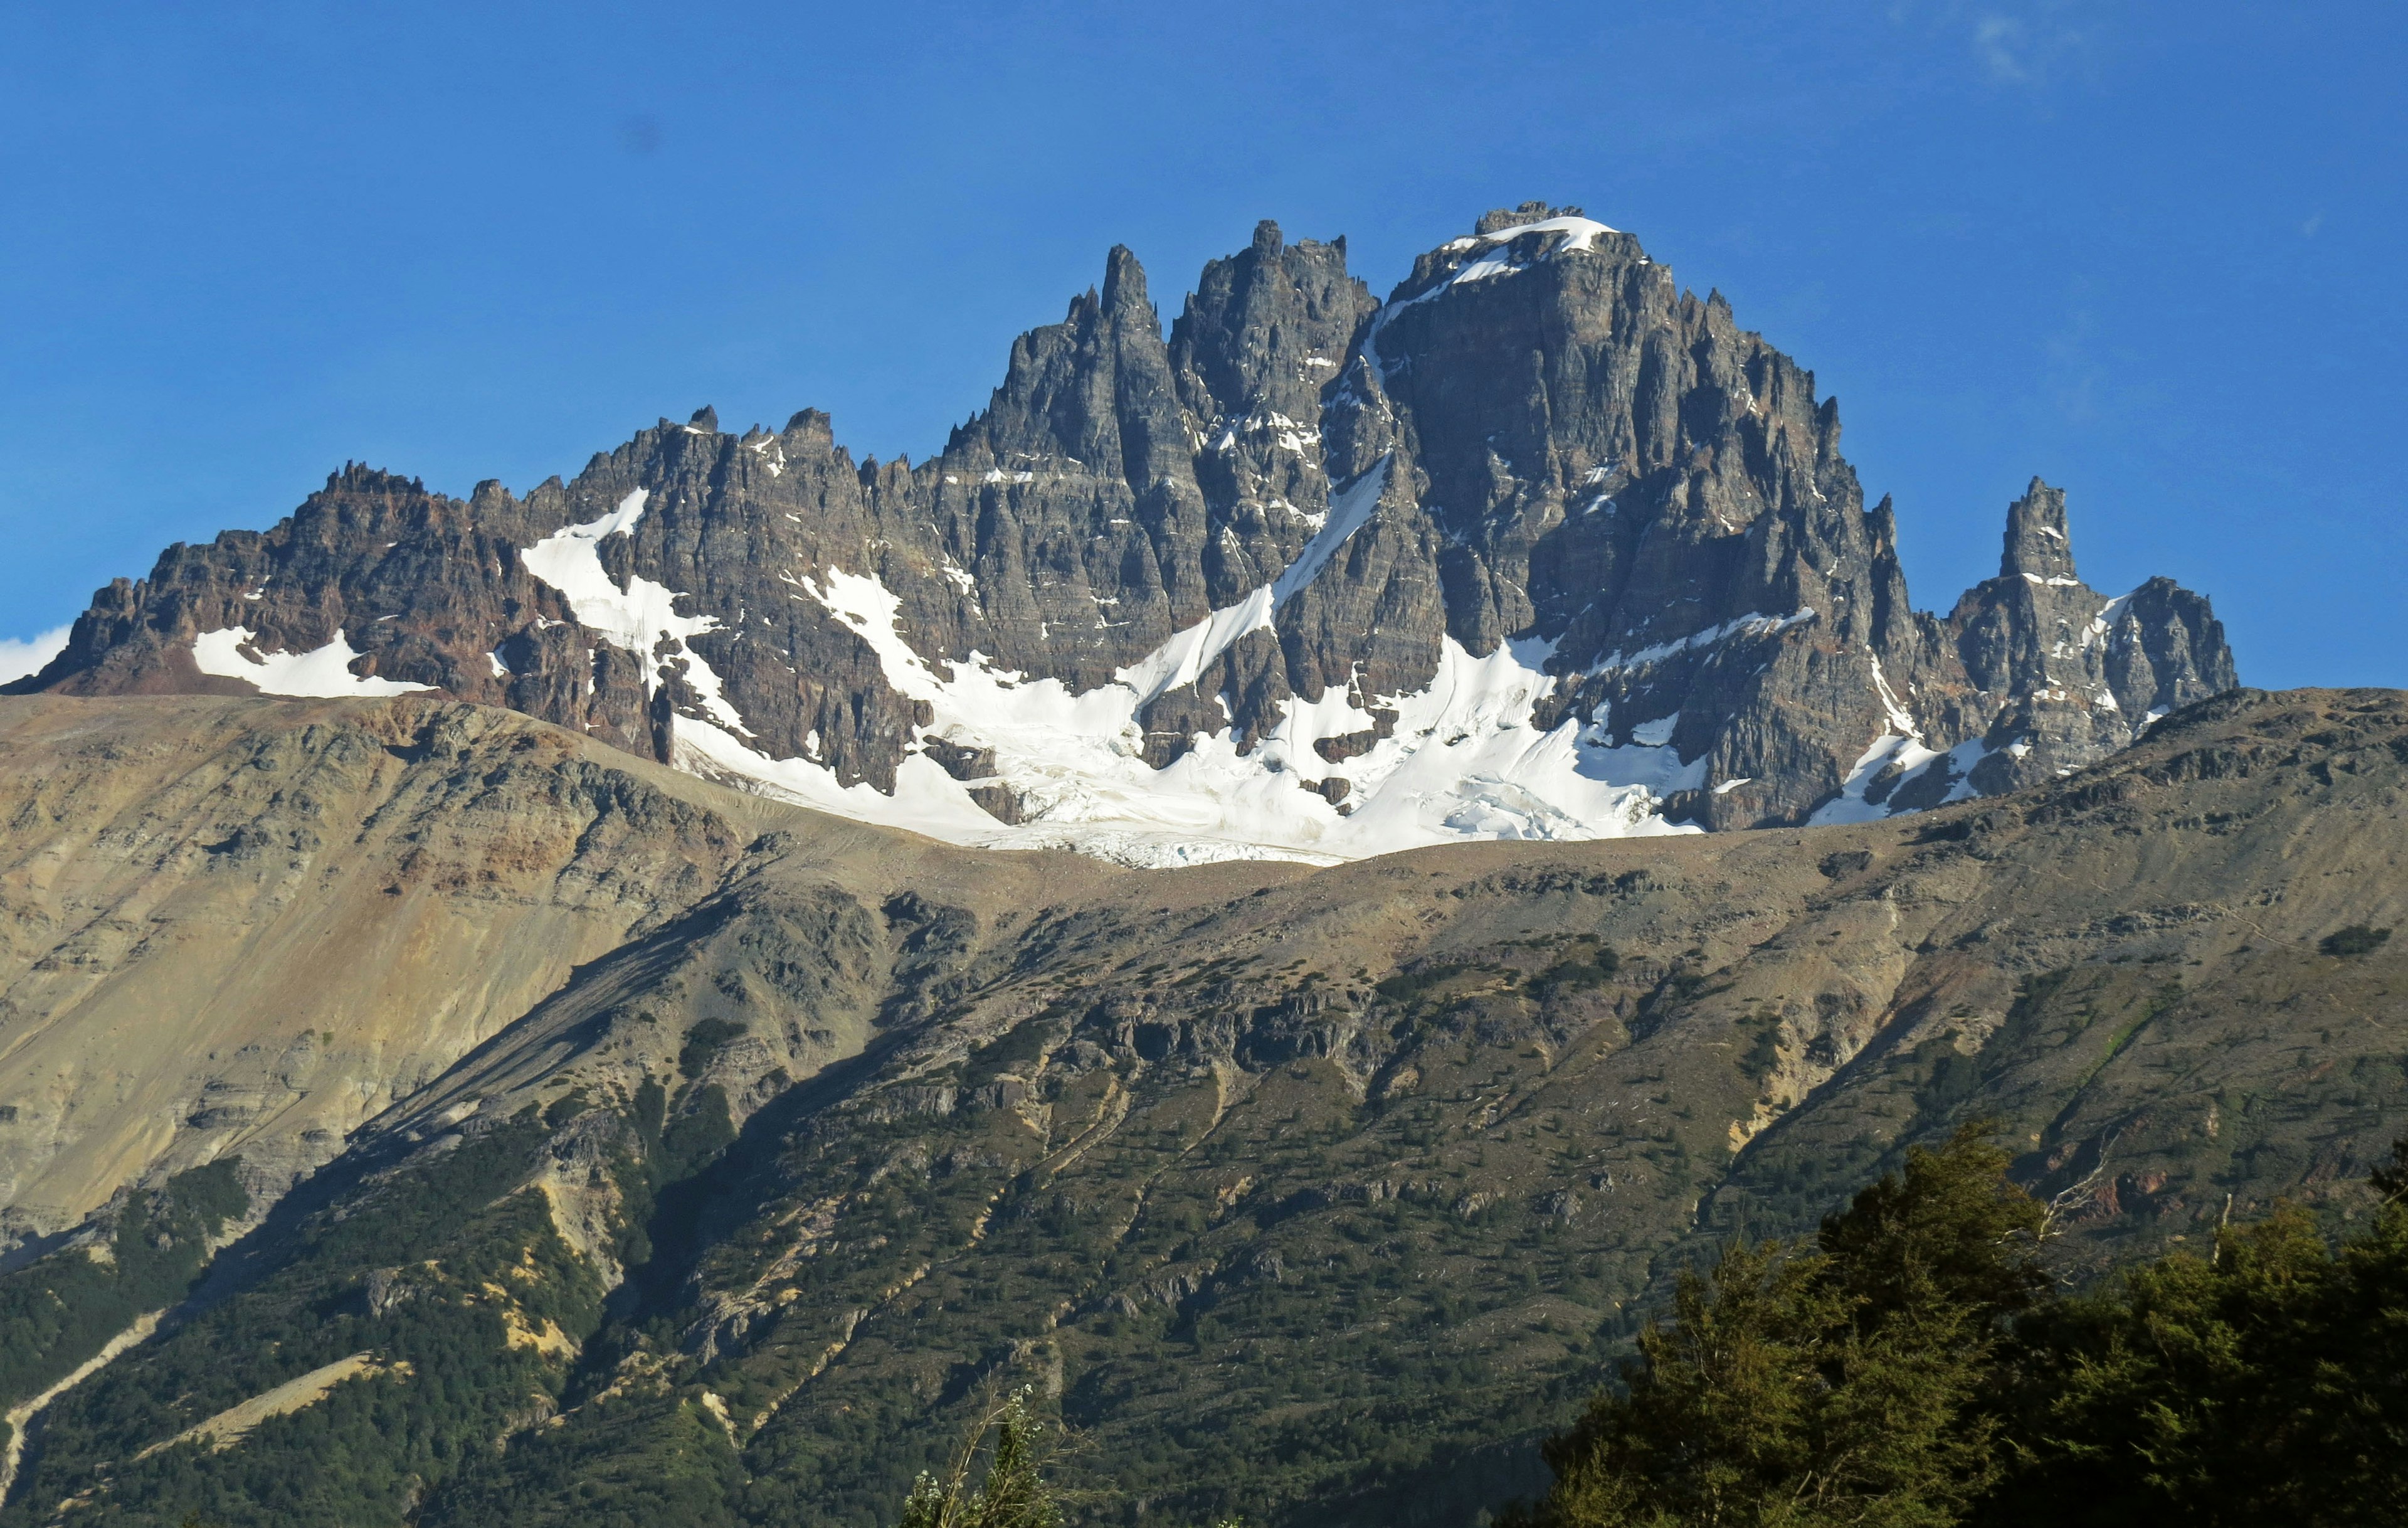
point(1545, 547)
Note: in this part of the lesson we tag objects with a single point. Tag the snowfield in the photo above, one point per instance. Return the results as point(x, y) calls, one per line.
point(1465, 759)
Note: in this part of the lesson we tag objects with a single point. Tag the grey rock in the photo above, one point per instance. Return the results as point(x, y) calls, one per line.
point(1577, 456)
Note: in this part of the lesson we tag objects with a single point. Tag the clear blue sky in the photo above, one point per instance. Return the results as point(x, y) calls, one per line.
point(2151, 252)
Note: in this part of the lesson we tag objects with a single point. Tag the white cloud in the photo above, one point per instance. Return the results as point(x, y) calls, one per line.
point(1999, 40)
point(2028, 45)
point(22, 655)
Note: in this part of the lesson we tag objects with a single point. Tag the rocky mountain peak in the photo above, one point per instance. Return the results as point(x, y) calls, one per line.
point(1125, 286)
point(1497, 219)
point(1542, 546)
point(2037, 545)
point(1268, 329)
point(810, 429)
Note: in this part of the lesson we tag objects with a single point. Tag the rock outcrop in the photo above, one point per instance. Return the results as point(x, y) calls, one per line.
point(1542, 546)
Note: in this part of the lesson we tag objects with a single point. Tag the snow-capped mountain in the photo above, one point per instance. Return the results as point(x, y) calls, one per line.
point(1540, 547)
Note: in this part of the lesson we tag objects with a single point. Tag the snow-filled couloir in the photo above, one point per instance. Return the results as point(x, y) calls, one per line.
point(1463, 759)
point(1540, 546)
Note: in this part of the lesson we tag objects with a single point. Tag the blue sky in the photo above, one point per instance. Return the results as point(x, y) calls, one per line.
point(2150, 253)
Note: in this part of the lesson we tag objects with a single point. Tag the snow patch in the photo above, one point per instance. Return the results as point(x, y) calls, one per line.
point(320, 674)
point(1579, 236)
point(634, 617)
point(639, 617)
point(1465, 758)
point(1900, 748)
point(1655, 734)
point(1183, 659)
point(1744, 625)
point(2102, 625)
point(1961, 760)
point(1902, 754)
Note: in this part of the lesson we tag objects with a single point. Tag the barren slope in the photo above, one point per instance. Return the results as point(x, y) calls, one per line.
point(245, 927)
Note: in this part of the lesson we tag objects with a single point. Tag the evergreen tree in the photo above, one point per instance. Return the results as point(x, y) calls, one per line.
point(2269, 1384)
point(1905, 1371)
point(1844, 1384)
point(1013, 1496)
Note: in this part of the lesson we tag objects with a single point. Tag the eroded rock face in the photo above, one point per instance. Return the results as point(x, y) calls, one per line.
point(237, 928)
point(1542, 546)
point(2079, 674)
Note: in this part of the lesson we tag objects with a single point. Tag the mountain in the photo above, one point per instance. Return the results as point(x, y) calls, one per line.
point(1541, 547)
point(756, 1147)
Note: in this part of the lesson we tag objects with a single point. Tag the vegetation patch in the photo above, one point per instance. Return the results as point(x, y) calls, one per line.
point(703, 1042)
point(59, 1310)
point(1912, 1364)
point(2358, 938)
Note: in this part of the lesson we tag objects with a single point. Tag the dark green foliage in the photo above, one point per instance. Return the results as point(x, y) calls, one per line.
point(1719, 1410)
point(1948, 1233)
point(59, 1310)
point(2358, 938)
point(701, 1130)
point(1907, 1371)
point(450, 1328)
point(2391, 1177)
point(2268, 1384)
point(1599, 969)
point(674, 1140)
point(703, 1041)
point(1763, 1048)
point(636, 1461)
point(566, 1108)
point(1407, 985)
point(1841, 1385)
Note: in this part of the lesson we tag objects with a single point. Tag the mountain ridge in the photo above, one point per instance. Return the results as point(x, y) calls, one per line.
point(1541, 547)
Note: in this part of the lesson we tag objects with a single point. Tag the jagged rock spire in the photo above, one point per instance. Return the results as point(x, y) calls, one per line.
point(2037, 546)
point(1613, 571)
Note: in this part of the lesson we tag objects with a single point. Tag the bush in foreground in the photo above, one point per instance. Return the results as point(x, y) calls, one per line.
point(1908, 1370)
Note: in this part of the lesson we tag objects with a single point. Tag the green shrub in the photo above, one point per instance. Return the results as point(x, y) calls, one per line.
point(1014, 1494)
point(2358, 938)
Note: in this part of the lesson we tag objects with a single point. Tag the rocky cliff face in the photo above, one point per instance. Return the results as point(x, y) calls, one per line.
point(1542, 546)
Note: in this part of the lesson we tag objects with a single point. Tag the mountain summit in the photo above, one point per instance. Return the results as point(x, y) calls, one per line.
point(1540, 547)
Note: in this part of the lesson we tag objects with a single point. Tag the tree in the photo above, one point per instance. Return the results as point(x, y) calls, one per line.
point(1013, 1493)
point(1843, 1385)
point(1907, 1372)
point(1717, 1416)
point(2266, 1384)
